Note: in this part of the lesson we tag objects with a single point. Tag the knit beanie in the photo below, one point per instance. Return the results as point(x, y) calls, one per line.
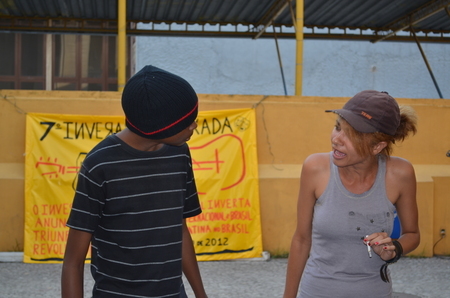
point(158, 104)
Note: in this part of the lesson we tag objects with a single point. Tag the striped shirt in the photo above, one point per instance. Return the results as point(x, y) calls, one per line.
point(134, 202)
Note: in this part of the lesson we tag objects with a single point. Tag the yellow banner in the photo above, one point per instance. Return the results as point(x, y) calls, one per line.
point(55, 148)
point(225, 165)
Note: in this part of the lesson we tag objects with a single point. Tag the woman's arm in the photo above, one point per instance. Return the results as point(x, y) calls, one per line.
point(406, 205)
point(190, 265)
point(401, 191)
point(313, 172)
point(72, 276)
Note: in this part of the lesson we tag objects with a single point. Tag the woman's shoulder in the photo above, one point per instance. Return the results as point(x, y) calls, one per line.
point(399, 167)
point(400, 180)
point(317, 162)
point(395, 161)
point(318, 158)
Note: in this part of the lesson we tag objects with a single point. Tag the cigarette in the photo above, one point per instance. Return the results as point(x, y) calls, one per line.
point(369, 250)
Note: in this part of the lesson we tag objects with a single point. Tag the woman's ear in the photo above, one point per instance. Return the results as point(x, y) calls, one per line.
point(378, 147)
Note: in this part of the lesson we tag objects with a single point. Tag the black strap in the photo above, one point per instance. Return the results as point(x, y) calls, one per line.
point(398, 255)
point(383, 272)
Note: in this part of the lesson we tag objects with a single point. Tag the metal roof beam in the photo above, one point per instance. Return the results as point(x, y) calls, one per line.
point(228, 34)
point(415, 17)
point(267, 20)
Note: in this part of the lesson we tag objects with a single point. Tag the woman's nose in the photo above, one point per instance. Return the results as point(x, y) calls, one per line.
point(336, 139)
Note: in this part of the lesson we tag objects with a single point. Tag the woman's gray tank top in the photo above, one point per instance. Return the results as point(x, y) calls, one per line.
point(339, 264)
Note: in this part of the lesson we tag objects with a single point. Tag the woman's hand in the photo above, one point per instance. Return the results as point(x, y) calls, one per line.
point(381, 244)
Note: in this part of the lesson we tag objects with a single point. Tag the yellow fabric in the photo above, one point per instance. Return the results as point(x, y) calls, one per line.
point(226, 170)
point(225, 165)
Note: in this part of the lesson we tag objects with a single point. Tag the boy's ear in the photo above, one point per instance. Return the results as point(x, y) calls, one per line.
point(379, 147)
point(193, 125)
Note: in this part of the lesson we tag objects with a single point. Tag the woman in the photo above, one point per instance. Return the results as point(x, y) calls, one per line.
point(346, 204)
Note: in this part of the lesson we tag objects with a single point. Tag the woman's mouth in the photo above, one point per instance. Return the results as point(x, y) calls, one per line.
point(338, 154)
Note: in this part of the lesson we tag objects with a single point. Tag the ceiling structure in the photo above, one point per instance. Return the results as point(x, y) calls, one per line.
point(372, 20)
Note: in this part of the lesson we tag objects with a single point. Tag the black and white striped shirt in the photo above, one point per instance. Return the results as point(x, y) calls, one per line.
point(134, 202)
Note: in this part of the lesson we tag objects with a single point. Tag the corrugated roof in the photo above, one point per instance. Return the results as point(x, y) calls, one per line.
point(346, 19)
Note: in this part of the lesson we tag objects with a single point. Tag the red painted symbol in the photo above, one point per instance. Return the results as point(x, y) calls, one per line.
point(208, 157)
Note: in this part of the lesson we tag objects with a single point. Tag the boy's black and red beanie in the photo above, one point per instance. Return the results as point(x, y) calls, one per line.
point(158, 104)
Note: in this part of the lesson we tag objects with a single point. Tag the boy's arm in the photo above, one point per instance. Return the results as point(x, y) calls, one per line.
point(190, 265)
point(72, 276)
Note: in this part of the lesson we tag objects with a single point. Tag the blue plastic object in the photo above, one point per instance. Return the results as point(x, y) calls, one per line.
point(396, 231)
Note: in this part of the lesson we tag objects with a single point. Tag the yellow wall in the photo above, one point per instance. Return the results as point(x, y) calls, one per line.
point(288, 130)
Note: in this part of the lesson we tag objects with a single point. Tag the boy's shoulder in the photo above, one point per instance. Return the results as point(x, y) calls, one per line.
point(112, 148)
point(109, 143)
point(111, 140)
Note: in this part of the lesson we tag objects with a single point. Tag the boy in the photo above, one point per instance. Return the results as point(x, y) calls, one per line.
point(135, 189)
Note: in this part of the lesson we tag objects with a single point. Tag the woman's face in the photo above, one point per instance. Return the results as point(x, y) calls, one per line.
point(344, 152)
